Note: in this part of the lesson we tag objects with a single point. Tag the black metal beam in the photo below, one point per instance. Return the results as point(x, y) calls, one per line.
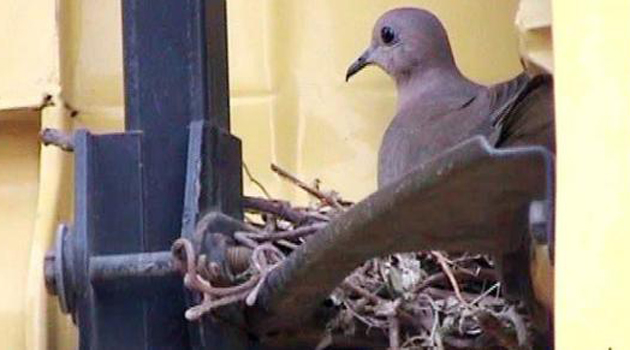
point(108, 220)
point(176, 85)
point(175, 73)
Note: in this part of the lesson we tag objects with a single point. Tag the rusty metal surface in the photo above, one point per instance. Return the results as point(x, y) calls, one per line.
point(116, 267)
point(472, 198)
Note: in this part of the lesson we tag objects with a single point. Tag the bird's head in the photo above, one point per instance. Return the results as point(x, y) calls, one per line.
point(405, 41)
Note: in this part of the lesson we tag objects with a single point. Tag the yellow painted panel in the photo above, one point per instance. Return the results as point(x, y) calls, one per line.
point(91, 62)
point(533, 20)
point(592, 55)
point(45, 327)
point(19, 159)
point(28, 54)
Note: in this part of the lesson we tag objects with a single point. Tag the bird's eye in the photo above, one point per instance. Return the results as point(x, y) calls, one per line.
point(387, 35)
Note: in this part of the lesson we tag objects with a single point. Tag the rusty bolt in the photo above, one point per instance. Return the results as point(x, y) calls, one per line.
point(49, 273)
point(238, 258)
point(57, 138)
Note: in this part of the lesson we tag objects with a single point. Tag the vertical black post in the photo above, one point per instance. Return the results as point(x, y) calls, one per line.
point(176, 75)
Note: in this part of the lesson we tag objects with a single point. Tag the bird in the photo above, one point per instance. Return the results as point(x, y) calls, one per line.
point(438, 107)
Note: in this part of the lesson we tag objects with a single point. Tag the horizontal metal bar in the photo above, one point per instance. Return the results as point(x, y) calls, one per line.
point(124, 266)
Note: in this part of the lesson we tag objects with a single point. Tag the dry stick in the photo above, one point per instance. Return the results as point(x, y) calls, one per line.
point(245, 238)
point(295, 233)
point(438, 278)
point(394, 332)
point(444, 294)
point(254, 181)
point(309, 189)
point(362, 292)
point(371, 323)
point(447, 270)
point(348, 285)
point(485, 294)
point(317, 215)
point(287, 244)
point(519, 326)
point(274, 207)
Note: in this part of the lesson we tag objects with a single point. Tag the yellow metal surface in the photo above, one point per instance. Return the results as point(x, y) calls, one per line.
point(91, 63)
point(45, 327)
point(592, 71)
point(533, 20)
point(19, 159)
point(34, 181)
point(28, 54)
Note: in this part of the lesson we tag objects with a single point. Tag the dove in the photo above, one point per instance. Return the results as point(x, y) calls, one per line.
point(438, 107)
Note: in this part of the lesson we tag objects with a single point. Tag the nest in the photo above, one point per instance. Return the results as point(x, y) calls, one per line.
point(415, 300)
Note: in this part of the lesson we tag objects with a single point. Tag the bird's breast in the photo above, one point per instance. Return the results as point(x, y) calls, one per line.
point(408, 142)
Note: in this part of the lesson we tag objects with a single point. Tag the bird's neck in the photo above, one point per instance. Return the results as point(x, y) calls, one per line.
point(441, 84)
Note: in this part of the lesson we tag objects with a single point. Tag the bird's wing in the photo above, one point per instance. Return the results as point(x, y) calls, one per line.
point(522, 112)
point(417, 134)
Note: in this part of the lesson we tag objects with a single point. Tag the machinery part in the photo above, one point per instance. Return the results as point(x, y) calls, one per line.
point(55, 273)
point(538, 222)
point(112, 273)
point(114, 268)
point(57, 138)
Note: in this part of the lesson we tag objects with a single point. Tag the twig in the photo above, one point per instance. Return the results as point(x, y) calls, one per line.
point(444, 294)
point(287, 244)
point(245, 239)
point(519, 326)
point(291, 234)
point(394, 332)
point(348, 285)
point(485, 294)
point(463, 275)
point(362, 292)
point(447, 270)
point(317, 216)
point(254, 181)
point(367, 322)
point(309, 189)
point(278, 208)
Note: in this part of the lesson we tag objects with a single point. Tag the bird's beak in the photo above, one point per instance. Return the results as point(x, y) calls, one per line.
point(359, 64)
